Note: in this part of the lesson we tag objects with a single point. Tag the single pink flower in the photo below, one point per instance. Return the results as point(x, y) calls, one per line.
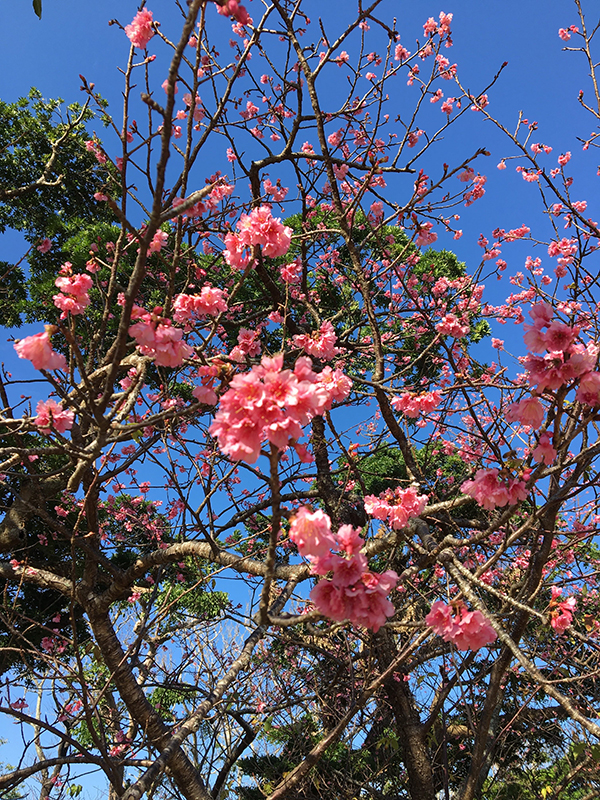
point(140, 30)
point(311, 533)
point(39, 351)
point(544, 452)
point(51, 415)
point(588, 391)
point(528, 411)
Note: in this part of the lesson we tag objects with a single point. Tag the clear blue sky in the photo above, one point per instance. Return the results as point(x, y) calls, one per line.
point(74, 37)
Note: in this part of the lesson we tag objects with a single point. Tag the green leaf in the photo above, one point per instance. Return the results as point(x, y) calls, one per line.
point(37, 7)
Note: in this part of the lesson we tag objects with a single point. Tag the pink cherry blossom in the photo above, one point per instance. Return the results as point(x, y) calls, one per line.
point(320, 344)
point(473, 631)
point(248, 345)
point(489, 488)
point(231, 8)
point(440, 619)
point(425, 235)
point(311, 533)
point(349, 540)
point(140, 31)
point(528, 411)
point(450, 325)
point(331, 600)
point(51, 415)
point(74, 297)
point(347, 571)
point(413, 405)
point(269, 404)
point(544, 452)
point(210, 302)
point(396, 506)
point(559, 337)
point(468, 630)
point(561, 611)
point(259, 227)
point(292, 272)
point(277, 192)
point(588, 391)
point(39, 351)
point(159, 240)
point(157, 338)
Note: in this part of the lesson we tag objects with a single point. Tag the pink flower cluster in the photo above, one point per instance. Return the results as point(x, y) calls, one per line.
point(231, 8)
point(208, 303)
point(468, 630)
point(451, 325)
point(74, 297)
point(491, 488)
point(320, 344)
point(39, 351)
point(561, 611)
point(354, 592)
point(415, 404)
point(156, 337)
point(51, 415)
point(396, 506)
point(292, 272)
point(259, 227)
point(140, 30)
point(565, 358)
point(272, 404)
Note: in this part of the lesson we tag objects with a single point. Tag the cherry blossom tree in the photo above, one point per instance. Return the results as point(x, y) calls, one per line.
point(273, 527)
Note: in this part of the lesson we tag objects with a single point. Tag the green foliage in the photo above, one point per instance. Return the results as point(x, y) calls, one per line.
point(44, 193)
point(385, 468)
point(28, 129)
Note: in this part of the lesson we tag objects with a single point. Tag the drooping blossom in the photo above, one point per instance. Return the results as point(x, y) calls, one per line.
point(451, 325)
point(425, 235)
point(276, 191)
point(354, 592)
point(528, 411)
point(52, 416)
point(320, 344)
point(468, 630)
point(415, 404)
point(140, 30)
point(248, 344)
point(311, 533)
point(544, 452)
point(74, 297)
point(39, 351)
point(159, 240)
point(396, 506)
point(205, 392)
point(156, 337)
point(292, 272)
point(231, 8)
point(259, 227)
point(210, 302)
point(491, 488)
point(561, 611)
point(588, 391)
point(271, 404)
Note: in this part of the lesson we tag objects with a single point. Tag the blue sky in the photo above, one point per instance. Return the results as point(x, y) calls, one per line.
point(75, 38)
